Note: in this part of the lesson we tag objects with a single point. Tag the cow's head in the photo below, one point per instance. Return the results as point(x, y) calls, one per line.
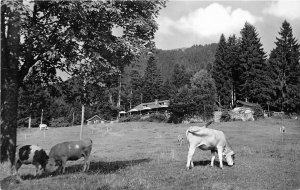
point(52, 165)
point(229, 156)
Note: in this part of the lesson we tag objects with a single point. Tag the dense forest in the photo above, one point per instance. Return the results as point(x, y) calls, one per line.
point(193, 58)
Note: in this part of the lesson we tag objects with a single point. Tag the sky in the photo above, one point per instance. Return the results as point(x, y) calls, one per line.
point(186, 23)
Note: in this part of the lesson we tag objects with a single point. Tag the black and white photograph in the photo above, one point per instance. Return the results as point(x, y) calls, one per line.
point(150, 94)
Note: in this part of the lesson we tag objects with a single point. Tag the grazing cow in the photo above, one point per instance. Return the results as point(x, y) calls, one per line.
point(179, 140)
point(72, 150)
point(282, 129)
point(208, 139)
point(31, 154)
point(43, 126)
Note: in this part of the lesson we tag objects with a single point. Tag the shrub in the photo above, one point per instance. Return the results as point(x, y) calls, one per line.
point(258, 112)
point(59, 122)
point(156, 117)
point(175, 118)
point(130, 118)
point(23, 122)
point(225, 117)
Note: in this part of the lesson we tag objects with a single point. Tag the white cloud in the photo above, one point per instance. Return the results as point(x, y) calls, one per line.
point(284, 8)
point(210, 21)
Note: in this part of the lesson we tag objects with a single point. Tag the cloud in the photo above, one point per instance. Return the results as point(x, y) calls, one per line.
point(207, 22)
point(284, 8)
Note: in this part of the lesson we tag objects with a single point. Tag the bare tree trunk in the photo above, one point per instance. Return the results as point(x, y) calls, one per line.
point(119, 95)
point(10, 39)
point(82, 121)
point(110, 97)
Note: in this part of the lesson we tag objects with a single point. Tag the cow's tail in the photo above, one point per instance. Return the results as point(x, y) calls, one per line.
point(189, 130)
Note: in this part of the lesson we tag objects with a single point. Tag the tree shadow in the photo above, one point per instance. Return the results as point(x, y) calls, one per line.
point(95, 168)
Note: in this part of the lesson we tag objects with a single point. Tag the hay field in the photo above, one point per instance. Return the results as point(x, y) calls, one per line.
point(142, 155)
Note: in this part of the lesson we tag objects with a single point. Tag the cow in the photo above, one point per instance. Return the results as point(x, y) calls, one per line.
point(31, 154)
point(70, 150)
point(43, 126)
point(208, 139)
point(179, 140)
point(282, 129)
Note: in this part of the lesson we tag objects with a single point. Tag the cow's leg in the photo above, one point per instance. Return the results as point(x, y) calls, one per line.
point(189, 162)
point(220, 154)
point(87, 163)
point(36, 169)
point(213, 152)
point(63, 164)
point(86, 156)
point(18, 164)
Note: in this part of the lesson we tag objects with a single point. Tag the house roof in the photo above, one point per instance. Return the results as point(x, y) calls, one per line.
point(151, 105)
point(95, 117)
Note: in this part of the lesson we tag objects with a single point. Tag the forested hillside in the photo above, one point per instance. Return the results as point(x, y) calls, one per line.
point(193, 58)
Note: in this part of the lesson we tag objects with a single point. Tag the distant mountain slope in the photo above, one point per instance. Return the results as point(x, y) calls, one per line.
point(194, 59)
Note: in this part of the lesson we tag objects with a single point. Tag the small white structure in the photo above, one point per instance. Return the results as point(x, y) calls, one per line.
point(94, 120)
point(43, 126)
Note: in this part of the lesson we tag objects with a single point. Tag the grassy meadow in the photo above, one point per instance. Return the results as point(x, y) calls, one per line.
point(142, 155)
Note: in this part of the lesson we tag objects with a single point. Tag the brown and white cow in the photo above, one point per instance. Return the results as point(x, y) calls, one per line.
point(31, 154)
point(208, 139)
point(70, 150)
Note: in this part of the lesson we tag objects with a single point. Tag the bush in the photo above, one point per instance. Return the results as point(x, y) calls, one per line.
point(258, 112)
point(175, 118)
point(23, 122)
point(225, 117)
point(156, 117)
point(130, 118)
point(59, 122)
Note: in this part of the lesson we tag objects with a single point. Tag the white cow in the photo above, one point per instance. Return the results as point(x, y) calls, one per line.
point(43, 126)
point(208, 139)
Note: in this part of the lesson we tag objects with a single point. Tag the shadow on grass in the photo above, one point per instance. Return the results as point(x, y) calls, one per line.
point(95, 168)
point(207, 163)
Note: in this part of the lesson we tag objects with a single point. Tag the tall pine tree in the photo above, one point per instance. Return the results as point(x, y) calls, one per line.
point(221, 73)
point(285, 70)
point(232, 59)
point(180, 76)
point(254, 81)
point(136, 83)
point(152, 82)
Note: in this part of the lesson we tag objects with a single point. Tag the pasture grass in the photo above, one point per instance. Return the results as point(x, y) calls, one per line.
point(142, 155)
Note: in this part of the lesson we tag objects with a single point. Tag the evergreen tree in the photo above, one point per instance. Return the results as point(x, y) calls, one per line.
point(232, 59)
point(285, 70)
point(254, 84)
point(135, 88)
point(168, 90)
point(181, 105)
point(152, 82)
point(221, 73)
point(180, 76)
